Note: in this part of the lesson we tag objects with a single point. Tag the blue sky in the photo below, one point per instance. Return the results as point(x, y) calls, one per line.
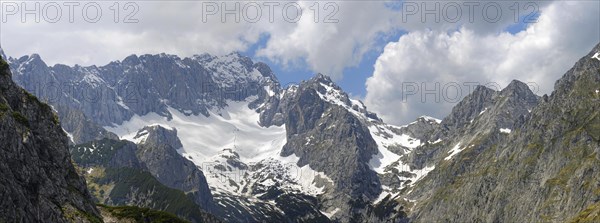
point(353, 79)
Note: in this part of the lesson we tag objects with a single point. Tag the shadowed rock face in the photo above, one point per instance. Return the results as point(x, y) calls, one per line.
point(148, 174)
point(158, 153)
point(106, 153)
point(82, 128)
point(342, 149)
point(38, 183)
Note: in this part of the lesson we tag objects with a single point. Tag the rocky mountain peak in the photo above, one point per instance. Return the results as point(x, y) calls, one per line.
point(204, 57)
point(265, 70)
point(518, 98)
point(328, 91)
point(131, 60)
point(158, 135)
point(421, 128)
point(232, 59)
point(516, 85)
point(519, 89)
point(428, 120)
point(469, 108)
point(481, 90)
point(157, 150)
point(33, 61)
point(486, 109)
point(584, 67)
point(321, 78)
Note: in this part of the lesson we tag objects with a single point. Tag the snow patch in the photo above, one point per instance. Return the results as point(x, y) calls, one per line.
point(383, 159)
point(180, 64)
point(385, 137)
point(167, 127)
point(121, 103)
point(204, 137)
point(332, 95)
point(140, 137)
point(277, 170)
point(455, 150)
point(331, 213)
point(596, 56)
point(505, 130)
point(92, 77)
point(229, 71)
point(384, 194)
point(484, 110)
point(436, 141)
point(422, 173)
point(304, 176)
point(69, 135)
point(91, 149)
point(269, 91)
point(431, 119)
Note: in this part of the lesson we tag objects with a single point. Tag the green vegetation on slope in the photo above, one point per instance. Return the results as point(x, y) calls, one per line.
point(96, 153)
point(3, 66)
point(125, 183)
point(140, 215)
point(20, 119)
point(589, 215)
point(72, 214)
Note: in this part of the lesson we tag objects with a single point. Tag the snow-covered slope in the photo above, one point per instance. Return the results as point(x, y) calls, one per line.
point(238, 156)
point(234, 127)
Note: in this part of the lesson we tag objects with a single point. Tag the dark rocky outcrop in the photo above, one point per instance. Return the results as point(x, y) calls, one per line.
point(81, 128)
point(38, 183)
point(149, 174)
point(158, 153)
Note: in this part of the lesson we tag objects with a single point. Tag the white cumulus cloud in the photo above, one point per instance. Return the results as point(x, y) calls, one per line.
point(328, 37)
point(565, 32)
point(330, 47)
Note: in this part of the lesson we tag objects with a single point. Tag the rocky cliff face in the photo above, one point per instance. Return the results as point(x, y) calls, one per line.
point(157, 151)
point(79, 127)
point(37, 180)
point(485, 116)
point(543, 168)
point(139, 85)
point(317, 128)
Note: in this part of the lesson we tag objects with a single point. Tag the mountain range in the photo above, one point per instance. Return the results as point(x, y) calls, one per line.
point(217, 138)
